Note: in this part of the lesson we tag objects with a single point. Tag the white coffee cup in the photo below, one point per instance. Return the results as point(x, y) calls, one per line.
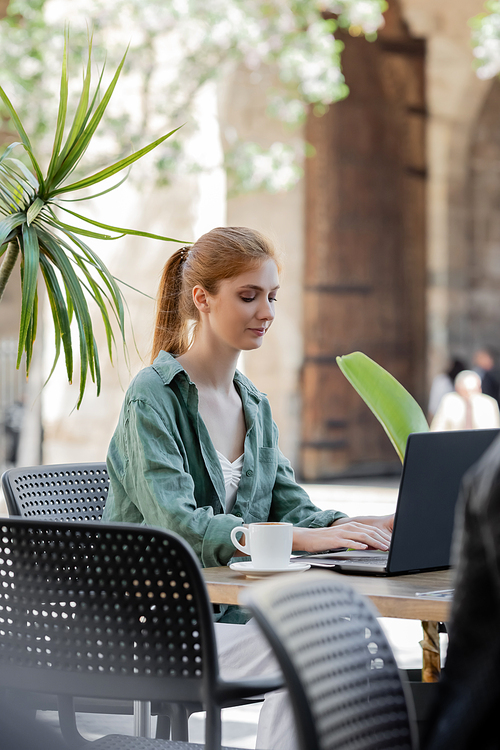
point(269, 544)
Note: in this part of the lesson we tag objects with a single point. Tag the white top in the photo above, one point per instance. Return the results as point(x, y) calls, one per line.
point(455, 413)
point(232, 475)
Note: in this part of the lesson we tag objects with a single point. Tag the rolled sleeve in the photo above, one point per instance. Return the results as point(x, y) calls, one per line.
point(217, 547)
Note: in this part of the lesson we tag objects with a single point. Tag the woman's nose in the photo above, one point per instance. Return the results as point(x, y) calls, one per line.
point(266, 312)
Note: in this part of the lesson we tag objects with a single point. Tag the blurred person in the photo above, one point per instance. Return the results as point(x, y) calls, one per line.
point(465, 712)
point(467, 408)
point(484, 364)
point(13, 423)
point(196, 449)
point(443, 383)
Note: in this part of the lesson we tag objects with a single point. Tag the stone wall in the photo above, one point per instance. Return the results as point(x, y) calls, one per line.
point(455, 97)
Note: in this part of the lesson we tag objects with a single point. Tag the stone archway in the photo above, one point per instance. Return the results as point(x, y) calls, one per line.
point(365, 248)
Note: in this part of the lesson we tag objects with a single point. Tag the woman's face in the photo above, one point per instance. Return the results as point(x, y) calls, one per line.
point(243, 308)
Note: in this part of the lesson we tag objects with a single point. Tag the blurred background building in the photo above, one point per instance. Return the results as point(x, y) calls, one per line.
point(391, 244)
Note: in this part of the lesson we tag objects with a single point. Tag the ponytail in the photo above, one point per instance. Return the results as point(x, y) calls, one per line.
point(222, 253)
point(171, 329)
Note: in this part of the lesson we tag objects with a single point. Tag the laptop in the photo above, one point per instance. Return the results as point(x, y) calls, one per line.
point(434, 465)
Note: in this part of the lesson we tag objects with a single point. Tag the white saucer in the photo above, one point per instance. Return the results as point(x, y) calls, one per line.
point(248, 569)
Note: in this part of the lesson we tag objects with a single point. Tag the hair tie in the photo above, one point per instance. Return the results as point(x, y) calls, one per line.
point(184, 253)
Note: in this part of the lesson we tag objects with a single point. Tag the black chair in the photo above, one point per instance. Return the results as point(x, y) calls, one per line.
point(465, 713)
point(110, 611)
point(68, 492)
point(344, 684)
point(78, 492)
point(71, 492)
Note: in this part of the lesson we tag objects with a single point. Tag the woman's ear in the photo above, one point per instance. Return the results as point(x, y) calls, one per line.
point(200, 299)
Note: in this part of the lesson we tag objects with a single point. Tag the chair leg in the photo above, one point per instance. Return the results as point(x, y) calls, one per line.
point(142, 718)
point(67, 722)
point(163, 727)
point(213, 729)
point(179, 715)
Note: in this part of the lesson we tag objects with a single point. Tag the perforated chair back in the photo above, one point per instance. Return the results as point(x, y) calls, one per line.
point(339, 668)
point(108, 611)
point(68, 492)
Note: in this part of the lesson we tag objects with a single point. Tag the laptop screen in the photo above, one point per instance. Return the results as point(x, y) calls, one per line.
point(435, 463)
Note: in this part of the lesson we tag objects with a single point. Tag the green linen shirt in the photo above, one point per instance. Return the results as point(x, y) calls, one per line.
point(164, 470)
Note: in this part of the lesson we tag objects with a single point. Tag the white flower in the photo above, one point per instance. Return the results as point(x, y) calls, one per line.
point(366, 14)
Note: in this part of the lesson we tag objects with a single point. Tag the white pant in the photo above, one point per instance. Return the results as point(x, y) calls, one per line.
point(245, 652)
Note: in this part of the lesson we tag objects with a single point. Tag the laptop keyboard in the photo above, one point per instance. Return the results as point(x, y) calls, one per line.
point(372, 560)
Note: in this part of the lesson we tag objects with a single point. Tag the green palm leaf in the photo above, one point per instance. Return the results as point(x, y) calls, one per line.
point(92, 260)
point(110, 228)
point(60, 316)
point(96, 195)
point(8, 150)
point(117, 300)
point(24, 137)
point(31, 252)
point(34, 210)
point(66, 228)
point(114, 168)
point(32, 328)
point(10, 223)
point(396, 410)
point(29, 178)
point(81, 133)
point(80, 307)
point(81, 114)
point(61, 115)
point(15, 192)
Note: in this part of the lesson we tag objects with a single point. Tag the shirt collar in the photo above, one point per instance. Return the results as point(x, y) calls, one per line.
point(167, 367)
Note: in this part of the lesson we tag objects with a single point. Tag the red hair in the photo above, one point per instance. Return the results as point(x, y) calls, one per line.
point(220, 254)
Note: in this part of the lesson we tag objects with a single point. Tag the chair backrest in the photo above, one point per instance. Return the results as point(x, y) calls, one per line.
point(104, 610)
point(68, 492)
point(339, 668)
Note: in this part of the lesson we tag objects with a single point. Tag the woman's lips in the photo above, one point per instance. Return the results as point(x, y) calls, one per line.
point(258, 331)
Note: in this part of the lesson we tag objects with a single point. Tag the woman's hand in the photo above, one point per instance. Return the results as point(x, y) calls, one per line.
point(385, 523)
point(365, 532)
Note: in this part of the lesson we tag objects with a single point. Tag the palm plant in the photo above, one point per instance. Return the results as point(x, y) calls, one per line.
point(31, 229)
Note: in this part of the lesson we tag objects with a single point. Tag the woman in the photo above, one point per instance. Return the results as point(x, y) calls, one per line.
point(196, 449)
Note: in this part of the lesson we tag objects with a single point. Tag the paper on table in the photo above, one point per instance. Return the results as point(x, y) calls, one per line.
point(325, 562)
point(446, 594)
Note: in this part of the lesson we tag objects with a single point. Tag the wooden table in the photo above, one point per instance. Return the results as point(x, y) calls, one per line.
point(393, 597)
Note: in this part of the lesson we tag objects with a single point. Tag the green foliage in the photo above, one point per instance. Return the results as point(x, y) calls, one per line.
point(396, 410)
point(251, 168)
point(176, 46)
point(486, 40)
point(30, 226)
